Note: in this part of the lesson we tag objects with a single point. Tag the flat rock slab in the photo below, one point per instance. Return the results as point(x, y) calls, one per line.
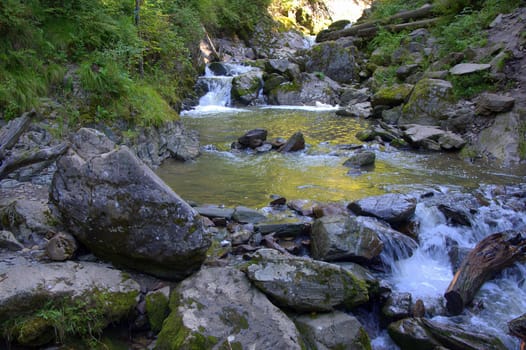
point(468, 68)
point(218, 308)
point(391, 207)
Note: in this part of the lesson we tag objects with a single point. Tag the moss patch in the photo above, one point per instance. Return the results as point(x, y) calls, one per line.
point(157, 310)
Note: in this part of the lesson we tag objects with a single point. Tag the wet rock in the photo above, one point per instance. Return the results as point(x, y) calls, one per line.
point(351, 96)
point(283, 67)
point(247, 215)
point(329, 209)
point(468, 68)
point(334, 60)
point(253, 138)
point(278, 201)
point(304, 284)
point(218, 68)
point(358, 110)
point(218, 308)
point(344, 238)
point(337, 25)
point(272, 81)
point(410, 334)
point(361, 159)
point(27, 287)
point(264, 148)
point(397, 307)
point(392, 207)
point(61, 246)
point(392, 96)
point(488, 104)
point(118, 208)
point(246, 87)
point(295, 143)
point(304, 207)
point(9, 242)
point(430, 97)
point(335, 330)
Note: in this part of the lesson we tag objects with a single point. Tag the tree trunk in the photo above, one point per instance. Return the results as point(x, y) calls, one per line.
point(489, 257)
point(372, 27)
point(9, 134)
point(137, 20)
point(18, 161)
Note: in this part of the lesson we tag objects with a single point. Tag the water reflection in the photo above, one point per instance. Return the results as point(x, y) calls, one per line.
point(223, 177)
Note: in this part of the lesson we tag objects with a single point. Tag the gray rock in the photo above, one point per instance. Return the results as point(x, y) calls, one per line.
point(391, 207)
point(335, 330)
point(406, 70)
point(295, 143)
point(27, 286)
point(304, 284)
point(273, 81)
point(264, 148)
point(61, 246)
point(358, 110)
point(350, 96)
point(360, 159)
point(118, 208)
point(217, 308)
point(246, 87)
point(344, 238)
point(502, 139)
point(488, 104)
point(333, 60)
point(397, 307)
point(215, 212)
point(283, 67)
point(427, 103)
point(9, 242)
point(432, 138)
point(468, 68)
point(247, 215)
point(392, 115)
point(218, 68)
point(284, 230)
point(28, 220)
point(307, 90)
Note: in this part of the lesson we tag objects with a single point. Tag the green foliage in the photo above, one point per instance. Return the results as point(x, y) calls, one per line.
point(469, 85)
point(387, 41)
point(385, 8)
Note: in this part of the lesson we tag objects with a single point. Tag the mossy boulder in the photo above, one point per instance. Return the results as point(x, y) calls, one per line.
point(218, 308)
point(392, 96)
point(336, 61)
point(307, 90)
point(157, 308)
point(123, 212)
point(64, 300)
point(304, 284)
point(428, 102)
point(246, 87)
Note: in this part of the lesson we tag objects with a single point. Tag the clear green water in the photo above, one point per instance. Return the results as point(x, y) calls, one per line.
point(239, 178)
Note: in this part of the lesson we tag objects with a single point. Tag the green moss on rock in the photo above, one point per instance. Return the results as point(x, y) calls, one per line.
point(175, 336)
point(157, 310)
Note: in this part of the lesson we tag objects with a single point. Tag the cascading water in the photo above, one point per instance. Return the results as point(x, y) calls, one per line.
point(218, 86)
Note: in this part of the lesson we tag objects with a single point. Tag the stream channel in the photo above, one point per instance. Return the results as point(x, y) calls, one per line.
point(226, 177)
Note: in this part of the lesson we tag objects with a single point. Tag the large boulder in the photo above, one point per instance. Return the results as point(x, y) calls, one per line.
point(428, 102)
point(504, 139)
point(28, 220)
point(308, 89)
point(432, 138)
point(118, 208)
point(295, 143)
point(218, 308)
point(334, 60)
point(488, 104)
point(335, 330)
point(304, 284)
point(392, 207)
point(392, 96)
point(30, 291)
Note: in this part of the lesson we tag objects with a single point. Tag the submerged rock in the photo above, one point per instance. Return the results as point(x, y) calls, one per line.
point(304, 284)
point(335, 330)
point(118, 208)
point(218, 308)
point(359, 159)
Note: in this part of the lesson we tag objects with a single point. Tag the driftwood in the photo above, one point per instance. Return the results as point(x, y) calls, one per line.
point(10, 134)
point(18, 161)
point(364, 29)
point(517, 327)
point(489, 257)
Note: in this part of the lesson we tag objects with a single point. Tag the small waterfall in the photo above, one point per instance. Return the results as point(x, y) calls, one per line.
point(217, 82)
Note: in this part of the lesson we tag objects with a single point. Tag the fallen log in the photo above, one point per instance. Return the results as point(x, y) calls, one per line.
point(10, 134)
point(18, 161)
point(371, 32)
point(517, 327)
point(490, 256)
point(404, 16)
